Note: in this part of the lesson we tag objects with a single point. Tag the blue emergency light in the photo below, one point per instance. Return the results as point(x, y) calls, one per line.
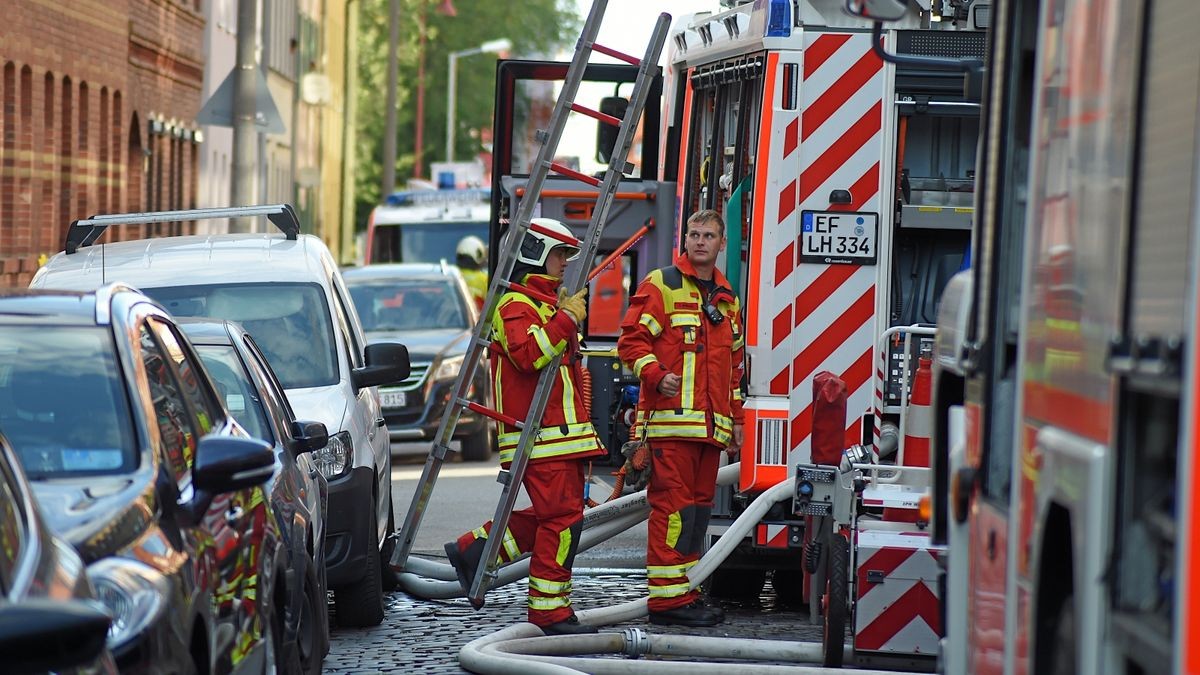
point(779, 18)
point(439, 197)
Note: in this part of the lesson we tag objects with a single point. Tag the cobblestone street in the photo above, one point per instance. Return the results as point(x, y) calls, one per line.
point(424, 636)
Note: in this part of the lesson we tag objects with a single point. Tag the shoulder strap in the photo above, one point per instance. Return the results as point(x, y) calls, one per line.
point(671, 277)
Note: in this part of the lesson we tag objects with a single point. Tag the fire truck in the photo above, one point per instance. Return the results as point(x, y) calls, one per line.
point(847, 188)
point(1066, 378)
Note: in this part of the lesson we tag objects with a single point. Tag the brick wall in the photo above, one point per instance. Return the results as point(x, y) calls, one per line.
point(97, 106)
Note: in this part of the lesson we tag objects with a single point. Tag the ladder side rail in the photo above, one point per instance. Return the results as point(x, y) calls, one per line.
point(578, 278)
point(498, 285)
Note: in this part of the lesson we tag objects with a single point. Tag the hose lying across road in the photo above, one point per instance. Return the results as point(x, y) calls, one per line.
point(522, 649)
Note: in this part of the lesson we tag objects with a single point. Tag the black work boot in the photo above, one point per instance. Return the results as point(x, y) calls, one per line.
point(716, 609)
point(694, 614)
point(569, 626)
point(466, 563)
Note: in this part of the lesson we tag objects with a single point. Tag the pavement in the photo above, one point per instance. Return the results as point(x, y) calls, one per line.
point(424, 636)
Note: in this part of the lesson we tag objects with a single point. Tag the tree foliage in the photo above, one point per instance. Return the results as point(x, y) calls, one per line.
point(536, 28)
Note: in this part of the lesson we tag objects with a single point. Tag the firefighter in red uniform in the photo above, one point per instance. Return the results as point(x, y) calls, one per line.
point(527, 334)
point(682, 337)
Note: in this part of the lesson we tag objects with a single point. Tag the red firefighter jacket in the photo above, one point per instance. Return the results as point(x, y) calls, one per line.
point(667, 330)
point(527, 334)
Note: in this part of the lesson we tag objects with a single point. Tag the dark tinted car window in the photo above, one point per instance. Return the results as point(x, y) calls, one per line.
point(289, 321)
point(408, 305)
point(235, 388)
point(63, 403)
point(12, 527)
point(170, 410)
point(191, 377)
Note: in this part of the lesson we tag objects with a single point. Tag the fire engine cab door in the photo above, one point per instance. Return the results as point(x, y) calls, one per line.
point(992, 389)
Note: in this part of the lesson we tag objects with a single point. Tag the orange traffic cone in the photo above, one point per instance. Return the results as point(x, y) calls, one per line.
point(918, 427)
point(918, 419)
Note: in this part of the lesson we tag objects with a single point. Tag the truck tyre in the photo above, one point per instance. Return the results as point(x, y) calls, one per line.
point(477, 447)
point(836, 600)
point(360, 604)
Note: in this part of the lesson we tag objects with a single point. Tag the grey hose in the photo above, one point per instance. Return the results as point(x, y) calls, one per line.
point(628, 505)
point(425, 587)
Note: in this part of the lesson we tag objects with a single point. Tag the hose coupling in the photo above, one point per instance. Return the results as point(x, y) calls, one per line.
point(637, 643)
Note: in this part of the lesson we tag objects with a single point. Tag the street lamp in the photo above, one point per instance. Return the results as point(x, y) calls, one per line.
point(489, 47)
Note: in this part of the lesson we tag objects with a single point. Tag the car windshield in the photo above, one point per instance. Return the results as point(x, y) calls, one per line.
point(290, 322)
point(63, 404)
point(416, 304)
point(237, 391)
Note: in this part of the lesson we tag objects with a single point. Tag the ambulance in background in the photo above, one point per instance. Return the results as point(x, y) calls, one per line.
point(425, 222)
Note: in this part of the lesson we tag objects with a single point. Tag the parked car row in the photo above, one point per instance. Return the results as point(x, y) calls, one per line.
point(205, 436)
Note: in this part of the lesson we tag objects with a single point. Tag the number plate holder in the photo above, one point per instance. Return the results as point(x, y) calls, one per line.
point(839, 237)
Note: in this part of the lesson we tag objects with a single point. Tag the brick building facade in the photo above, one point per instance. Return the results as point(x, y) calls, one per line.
point(97, 106)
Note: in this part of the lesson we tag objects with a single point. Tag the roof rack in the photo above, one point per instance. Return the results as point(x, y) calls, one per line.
point(85, 232)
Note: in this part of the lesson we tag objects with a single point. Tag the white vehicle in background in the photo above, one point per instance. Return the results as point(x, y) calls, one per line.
point(286, 291)
point(426, 225)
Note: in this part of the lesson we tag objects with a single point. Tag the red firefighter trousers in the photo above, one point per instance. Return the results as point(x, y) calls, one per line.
point(550, 530)
point(683, 479)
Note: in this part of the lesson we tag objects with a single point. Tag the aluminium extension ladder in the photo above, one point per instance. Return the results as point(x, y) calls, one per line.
point(575, 280)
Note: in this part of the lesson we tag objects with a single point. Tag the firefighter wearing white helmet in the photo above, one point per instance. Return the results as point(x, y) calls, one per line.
point(471, 255)
point(527, 334)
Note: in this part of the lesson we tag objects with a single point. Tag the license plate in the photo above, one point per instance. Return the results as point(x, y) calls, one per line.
point(838, 237)
point(393, 399)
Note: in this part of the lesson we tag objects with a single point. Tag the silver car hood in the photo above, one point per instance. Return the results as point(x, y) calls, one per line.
point(327, 405)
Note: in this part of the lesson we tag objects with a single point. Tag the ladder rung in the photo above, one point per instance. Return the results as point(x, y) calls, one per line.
point(566, 239)
point(536, 295)
point(496, 415)
point(596, 114)
point(572, 173)
point(608, 51)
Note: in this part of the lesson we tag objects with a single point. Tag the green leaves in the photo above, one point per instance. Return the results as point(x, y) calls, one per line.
point(537, 28)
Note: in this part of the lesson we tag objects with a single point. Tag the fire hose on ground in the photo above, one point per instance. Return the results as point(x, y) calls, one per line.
point(522, 649)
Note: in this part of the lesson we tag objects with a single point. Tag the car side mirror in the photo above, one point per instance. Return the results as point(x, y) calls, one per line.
point(387, 363)
point(231, 463)
point(606, 134)
point(226, 464)
point(309, 436)
point(37, 636)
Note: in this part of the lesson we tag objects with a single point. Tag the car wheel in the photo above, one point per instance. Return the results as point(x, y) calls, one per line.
point(309, 648)
point(360, 604)
point(478, 446)
point(391, 580)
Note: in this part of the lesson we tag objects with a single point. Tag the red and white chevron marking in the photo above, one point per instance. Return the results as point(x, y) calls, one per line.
point(899, 614)
point(824, 315)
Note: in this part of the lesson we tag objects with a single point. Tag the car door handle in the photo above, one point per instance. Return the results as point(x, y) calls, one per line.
point(379, 422)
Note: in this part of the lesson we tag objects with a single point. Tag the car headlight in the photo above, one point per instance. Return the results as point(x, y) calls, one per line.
point(134, 593)
point(334, 459)
point(448, 368)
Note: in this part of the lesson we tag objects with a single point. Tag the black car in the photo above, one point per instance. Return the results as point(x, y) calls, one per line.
point(429, 309)
point(49, 617)
point(136, 462)
point(298, 493)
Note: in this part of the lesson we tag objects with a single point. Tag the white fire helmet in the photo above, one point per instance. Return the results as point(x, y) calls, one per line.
point(535, 247)
point(472, 247)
